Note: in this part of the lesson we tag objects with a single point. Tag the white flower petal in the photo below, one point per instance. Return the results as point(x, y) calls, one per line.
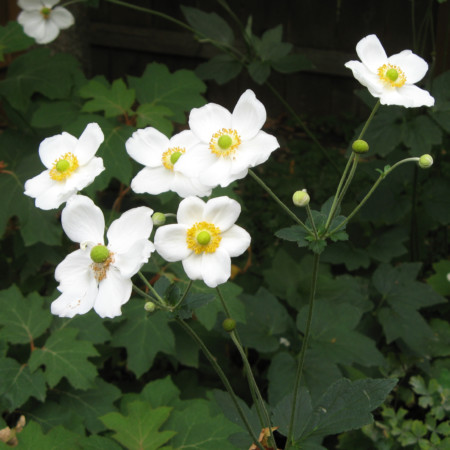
point(83, 221)
point(413, 66)
point(53, 148)
point(186, 187)
point(152, 180)
point(222, 212)
point(196, 161)
point(409, 96)
point(170, 242)
point(68, 304)
point(366, 77)
point(113, 292)
point(53, 197)
point(218, 173)
point(74, 273)
point(132, 226)
point(146, 146)
point(30, 5)
point(249, 115)
point(51, 32)
point(62, 17)
point(85, 175)
point(371, 52)
point(235, 241)
point(88, 143)
point(130, 261)
point(192, 265)
point(190, 211)
point(185, 139)
point(216, 268)
point(209, 119)
point(40, 183)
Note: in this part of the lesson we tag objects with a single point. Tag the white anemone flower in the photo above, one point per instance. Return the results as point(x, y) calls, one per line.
point(161, 157)
point(42, 21)
point(71, 166)
point(204, 239)
point(390, 79)
point(230, 143)
point(98, 275)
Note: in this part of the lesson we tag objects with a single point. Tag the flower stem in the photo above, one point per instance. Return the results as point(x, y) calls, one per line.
point(364, 200)
point(146, 296)
point(277, 200)
point(313, 225)
point(151, 288)
point(301, 361)
point(185, 293)
point(222, 376)
point(256, 394)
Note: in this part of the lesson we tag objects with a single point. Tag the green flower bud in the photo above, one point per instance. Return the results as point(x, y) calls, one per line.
point(229, 325)
point(149, 306)
point(301, 198)
point(203, 238)
point(360, 146)
point(425, 161)
point(99, 254)
point(158, 218)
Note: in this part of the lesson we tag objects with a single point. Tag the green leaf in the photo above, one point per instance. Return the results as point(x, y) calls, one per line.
point(56, 439)
point(259, 71)
point(436, 199)
point(266, 320)
point(440, 91)
point(18, 384)
point(156, 117)
point(294, 233)
point(208, 25)
point(346, 253)
point(197, 429)
point(23, 318)
point(179, 91)
point(65, 356)
point(220, 68)
point(421, 134)
point(292, 63)
point(95, 442)
point(194, 301)
point(138, 429)
point(56, 113)
point(161, 392)
point(270, 48)
point(13, 39)
point(388, 245)
point(143, 335)
point(346, 405)
point(114, 100)
point(38, 71)
point(91, 404)
point(440, 346)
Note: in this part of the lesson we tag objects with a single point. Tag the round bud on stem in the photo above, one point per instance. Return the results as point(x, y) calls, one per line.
point(229, 325)
point(425, 161)
point(360, 146)
point(149, 306)
point(301, 198)
point(158, 218)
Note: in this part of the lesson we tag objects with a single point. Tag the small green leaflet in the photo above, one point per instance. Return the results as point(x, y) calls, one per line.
point(13, 39)
point(23, 318)
point(63, 355)
point(114, 100)
point(139, 428)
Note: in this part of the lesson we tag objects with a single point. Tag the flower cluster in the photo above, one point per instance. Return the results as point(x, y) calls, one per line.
point(42, 20)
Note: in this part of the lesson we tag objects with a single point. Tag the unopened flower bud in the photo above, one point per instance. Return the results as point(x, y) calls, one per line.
point(149, 306)
point(229, 324)
point(159, 218)
point(301, 198)
point(360, 146)
point(425, 161)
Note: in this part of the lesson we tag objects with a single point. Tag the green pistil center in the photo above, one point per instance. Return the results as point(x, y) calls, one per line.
point(174, 157)
point(99, 254)
point(392, 74)
point(224, 142)
point(62, 165)
point(203, 238)
point(45, 12)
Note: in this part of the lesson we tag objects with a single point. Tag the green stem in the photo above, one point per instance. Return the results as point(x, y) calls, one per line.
point(313, 225)
point(222, 376)
point(146, 296)
point(298, 377)
point(183, 296)
point(151, 288)
point(277, 200)
point(303, 125)
point(364, 200)
point(372, 114)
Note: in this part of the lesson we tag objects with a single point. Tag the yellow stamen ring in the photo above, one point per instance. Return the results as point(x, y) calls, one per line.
point(45, 12)
point(171, 156)
point(392, 75)
point(225, 142)
point(100, 269)
point(203, 237)
point(64, 167)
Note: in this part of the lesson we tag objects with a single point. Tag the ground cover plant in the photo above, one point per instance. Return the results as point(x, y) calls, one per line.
point(178, 275)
